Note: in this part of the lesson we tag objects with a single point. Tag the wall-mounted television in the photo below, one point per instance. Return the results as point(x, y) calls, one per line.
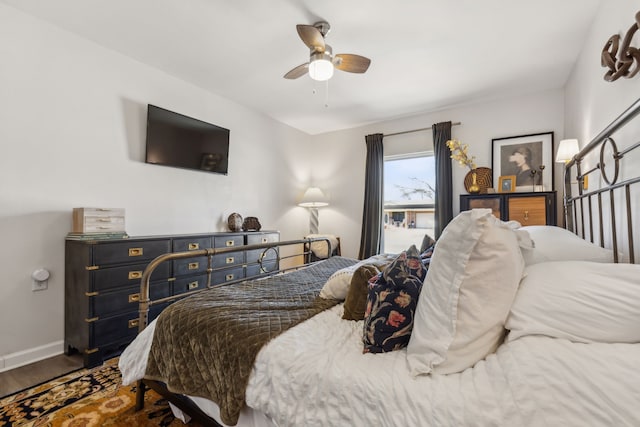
point(184, 142)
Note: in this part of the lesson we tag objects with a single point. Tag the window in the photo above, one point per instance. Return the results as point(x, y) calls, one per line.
point(409, 196)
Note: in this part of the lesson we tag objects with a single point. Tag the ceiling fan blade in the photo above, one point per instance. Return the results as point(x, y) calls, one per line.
point(351, 63)
point(298, 71)
point(311, 36)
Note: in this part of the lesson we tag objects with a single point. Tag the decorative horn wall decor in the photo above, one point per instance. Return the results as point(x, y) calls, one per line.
point(628, 57)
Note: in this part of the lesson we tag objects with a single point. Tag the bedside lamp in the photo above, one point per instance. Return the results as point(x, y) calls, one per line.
point(566, 150)
point(312, 199)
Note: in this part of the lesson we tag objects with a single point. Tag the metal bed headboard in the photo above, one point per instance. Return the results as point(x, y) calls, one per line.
point(614, 204)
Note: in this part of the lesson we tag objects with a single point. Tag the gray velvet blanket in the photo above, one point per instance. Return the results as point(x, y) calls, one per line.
point(205, 345)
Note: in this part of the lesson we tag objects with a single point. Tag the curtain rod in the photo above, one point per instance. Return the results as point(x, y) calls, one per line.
point(416, 130)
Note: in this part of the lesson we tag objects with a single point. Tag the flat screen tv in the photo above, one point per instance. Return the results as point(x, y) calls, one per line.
point(184, 142)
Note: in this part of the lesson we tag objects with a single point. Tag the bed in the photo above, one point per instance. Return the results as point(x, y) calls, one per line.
point(513, 326)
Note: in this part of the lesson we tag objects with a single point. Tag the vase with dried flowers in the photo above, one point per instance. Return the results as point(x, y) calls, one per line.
point(460, 153)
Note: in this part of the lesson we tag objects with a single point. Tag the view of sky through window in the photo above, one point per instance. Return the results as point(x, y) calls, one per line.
point(404, 179)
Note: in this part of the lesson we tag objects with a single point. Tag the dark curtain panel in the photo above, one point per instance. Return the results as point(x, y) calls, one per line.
point(371, 237)
point(444, 193)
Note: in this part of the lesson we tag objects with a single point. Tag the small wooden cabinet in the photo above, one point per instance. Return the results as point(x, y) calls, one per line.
point(538, 208)
point(102, 282)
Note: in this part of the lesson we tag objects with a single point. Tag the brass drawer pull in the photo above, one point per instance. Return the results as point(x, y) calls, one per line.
point(133, 323)
point(265, 240)
point(193, 285)
point(193, 265)
point(230, 276)
point(194, 246)
point(230, 260)
point(230, 243)
point(526, 215)
point(135, 274)
point(135, 251)
point(134, 297)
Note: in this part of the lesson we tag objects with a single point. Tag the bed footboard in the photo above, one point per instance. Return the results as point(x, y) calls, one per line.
point(296, 249)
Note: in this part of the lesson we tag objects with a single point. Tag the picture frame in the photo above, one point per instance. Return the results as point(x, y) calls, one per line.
point(527, 157)
point(507, 184)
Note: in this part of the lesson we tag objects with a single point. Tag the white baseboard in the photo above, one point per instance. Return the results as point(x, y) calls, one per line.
point(21, 358)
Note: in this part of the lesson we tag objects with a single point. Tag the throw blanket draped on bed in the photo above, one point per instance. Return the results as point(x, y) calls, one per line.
point(205, 345)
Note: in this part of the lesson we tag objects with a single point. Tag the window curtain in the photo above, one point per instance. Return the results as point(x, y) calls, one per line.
point(371, 237)
point(444, 191)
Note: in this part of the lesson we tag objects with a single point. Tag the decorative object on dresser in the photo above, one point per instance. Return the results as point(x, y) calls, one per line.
point(532, 208)
point(234, 222)
point(313, 199)
point(102, 282)
point(460, 153)
point(102, 223)
point(627, 63)
point(527, 157)
point(507, 184)
point(482, 178)
point(251, 223)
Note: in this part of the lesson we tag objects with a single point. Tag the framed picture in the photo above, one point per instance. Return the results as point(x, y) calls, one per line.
point(507, 184)
point(527, 157)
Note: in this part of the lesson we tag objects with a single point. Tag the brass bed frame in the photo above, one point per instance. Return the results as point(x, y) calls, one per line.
point(597, 208)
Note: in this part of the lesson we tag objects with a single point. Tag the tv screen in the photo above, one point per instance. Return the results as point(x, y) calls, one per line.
point(184, 142)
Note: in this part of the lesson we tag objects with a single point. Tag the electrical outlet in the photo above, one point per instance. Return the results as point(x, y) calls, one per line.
point(39, 286)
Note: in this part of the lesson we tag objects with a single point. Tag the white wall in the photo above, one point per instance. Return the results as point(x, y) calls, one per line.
point(344, 179)
point(72, 131)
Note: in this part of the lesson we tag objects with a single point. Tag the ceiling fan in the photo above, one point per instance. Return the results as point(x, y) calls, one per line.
point(321, 59)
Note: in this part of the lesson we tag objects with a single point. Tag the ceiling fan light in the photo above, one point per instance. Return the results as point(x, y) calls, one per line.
point(321, 69)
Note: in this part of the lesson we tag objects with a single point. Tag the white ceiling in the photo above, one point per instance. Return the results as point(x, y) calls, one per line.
point(425, 54)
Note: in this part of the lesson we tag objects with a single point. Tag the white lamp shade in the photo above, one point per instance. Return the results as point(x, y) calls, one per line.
point(321, 69)
point(567, 149)
point(314, 198)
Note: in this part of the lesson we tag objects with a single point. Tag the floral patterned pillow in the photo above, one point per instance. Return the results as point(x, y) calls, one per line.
point(391, 303)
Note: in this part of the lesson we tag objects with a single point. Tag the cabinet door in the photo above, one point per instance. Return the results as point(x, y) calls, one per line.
point(528, 210)
point(492, 203)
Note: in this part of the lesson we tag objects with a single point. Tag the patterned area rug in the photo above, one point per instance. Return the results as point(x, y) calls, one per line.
point(87, 398)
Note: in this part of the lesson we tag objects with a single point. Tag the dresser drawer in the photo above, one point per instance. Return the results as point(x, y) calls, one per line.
point(227, 260)
point(112, 329)
point(528, 210)
point(124, 300)
point(116, 277)
point(256, 269)
point(191, 244)
point(188, 284)
point(227, 275)
point(254, 239)
point(182, 267)
point(228, 241)
point(129, 251)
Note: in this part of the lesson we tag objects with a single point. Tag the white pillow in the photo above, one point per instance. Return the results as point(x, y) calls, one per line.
point(579, 301)
point(337, 286)
point(471, 282)
point(558, 244)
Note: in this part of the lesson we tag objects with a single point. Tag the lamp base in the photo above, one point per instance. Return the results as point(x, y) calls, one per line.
point(313, 221)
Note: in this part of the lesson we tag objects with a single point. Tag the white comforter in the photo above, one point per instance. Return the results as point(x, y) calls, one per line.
point(316, 375)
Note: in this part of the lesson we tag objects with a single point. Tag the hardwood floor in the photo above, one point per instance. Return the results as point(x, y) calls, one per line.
point(38, 372)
